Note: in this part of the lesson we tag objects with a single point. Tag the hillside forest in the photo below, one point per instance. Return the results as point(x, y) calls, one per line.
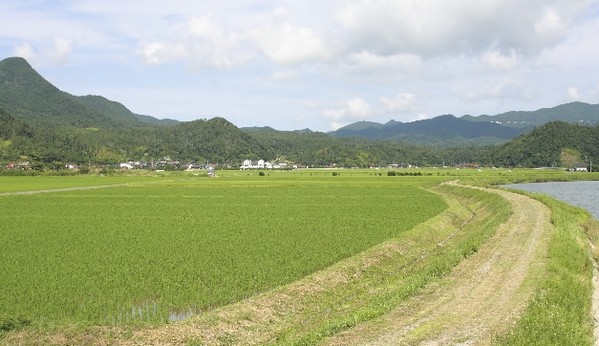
point(49, 129)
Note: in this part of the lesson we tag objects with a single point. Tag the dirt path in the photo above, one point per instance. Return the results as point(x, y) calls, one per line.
point(64, 189)
point(482, 297)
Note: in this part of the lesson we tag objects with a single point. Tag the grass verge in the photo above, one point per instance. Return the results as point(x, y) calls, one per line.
point(559, 314)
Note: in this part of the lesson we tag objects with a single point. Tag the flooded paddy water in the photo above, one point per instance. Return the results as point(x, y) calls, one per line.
point(583, 194)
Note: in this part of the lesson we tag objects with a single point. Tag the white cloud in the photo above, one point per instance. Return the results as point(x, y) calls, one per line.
point(573, 94)
point(422, 116)
point(26, 51)
point(157, 53)
point(200, 42)
point(284, 76)
point(287, 44)
point(206, 42)
point(498, 61)
point(57, 52)
point(365, 61)
point(60, 51)
point(280, 11)
point(351, 110)
point(505, 88)
point(430, 28)
point(550, 24)
point(579, 50)
point(400, 103)
point(207, 28)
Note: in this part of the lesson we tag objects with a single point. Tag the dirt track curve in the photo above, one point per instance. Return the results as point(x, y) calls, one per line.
point(481, 298)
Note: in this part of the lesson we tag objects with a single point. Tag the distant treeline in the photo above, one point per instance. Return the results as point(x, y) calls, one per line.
point(217, 141)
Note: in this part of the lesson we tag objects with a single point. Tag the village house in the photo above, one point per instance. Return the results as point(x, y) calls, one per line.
point(580, 167)
point(126, 165)
point(260, 164)
point(280, 165)
point(132, 165)
point(23, 165)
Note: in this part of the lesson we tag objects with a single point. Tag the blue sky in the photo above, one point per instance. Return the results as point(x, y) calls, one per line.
point(312, 64)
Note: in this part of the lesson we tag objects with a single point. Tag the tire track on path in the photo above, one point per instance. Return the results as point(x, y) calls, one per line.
point(481, 298)
point(64, 189)
point(75, 188)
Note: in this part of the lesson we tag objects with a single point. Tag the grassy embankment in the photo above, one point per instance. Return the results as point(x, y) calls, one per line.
point(560, 312)
point(10, 184)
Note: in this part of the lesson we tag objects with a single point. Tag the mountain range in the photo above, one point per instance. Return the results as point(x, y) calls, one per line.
point(448, 130)
point(30, 98)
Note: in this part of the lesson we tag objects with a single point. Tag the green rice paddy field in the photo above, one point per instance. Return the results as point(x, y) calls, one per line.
point(150, 249)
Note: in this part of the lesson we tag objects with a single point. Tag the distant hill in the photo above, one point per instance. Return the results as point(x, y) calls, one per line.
point(260, 129)
point(118, 111)
point(26, 95)
point(544, 145)
point(363, 125)
point(447, 130)
point(443, 130)
point(257, 129)
point(574, 113)
point(215, 139)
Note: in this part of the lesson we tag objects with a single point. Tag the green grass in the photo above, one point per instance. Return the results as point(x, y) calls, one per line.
point(559, 314)
point(136, 253)
point(36, 183)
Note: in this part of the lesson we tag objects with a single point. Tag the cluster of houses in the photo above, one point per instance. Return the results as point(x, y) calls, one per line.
point(261, 164)
point(579, 167)
point(20, 165)
point(169, 164)
point(166, 162)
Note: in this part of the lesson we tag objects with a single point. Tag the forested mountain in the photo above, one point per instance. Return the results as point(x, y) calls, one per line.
point(26, 95)
point(214, 140)
point(48, 128)
point(119, 111)
point(11, 127)
point(320, 149)
point(574, 112)
point(547, 145)
point(445, 130)
point(450, 131)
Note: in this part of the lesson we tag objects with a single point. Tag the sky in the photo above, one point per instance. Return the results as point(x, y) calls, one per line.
point(299, 64)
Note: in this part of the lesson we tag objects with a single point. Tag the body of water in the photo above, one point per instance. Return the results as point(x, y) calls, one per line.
point(584, 194)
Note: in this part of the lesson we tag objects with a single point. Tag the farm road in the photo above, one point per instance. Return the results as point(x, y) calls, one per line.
point(481, 298)
point(64, 189)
